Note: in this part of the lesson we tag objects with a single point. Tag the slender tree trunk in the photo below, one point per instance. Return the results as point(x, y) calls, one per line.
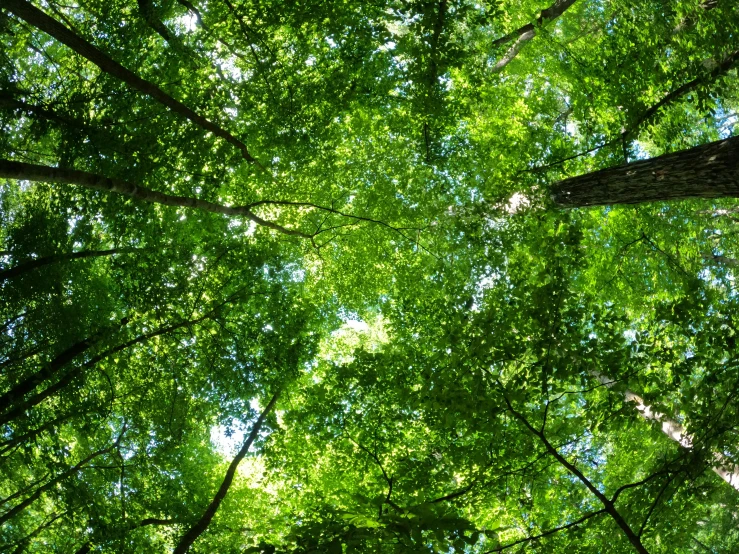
point(16, 393)
point(25, 267)
point(201, 525)
point(37, 18)
point(707, 171)
point(32, 172)
point(522, 35)
point(35, 496)
point(723, 468)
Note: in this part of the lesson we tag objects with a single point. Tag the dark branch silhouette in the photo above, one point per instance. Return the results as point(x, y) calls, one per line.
point(37, 18)
point(202, 524)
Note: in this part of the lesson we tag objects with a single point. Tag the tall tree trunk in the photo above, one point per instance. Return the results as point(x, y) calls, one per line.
point(37, 18)
point(707, 171)
point(202, 524)
point(723, 468)
point(19, 170)
point(25, 267)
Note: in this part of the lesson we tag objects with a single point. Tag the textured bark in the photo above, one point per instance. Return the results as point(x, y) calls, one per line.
point(202, 524)
point(723, 468)
point(707, 171)
point(31, 172)
point(37, 18)
point(522, 35)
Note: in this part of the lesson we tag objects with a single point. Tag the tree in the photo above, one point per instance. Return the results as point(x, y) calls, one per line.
point(358, 207)
point(707, 171)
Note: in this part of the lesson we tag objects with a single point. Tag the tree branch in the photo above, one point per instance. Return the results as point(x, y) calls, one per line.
point(524, 34)
point(24, 171)
point(388, 480)
point(36, 399)
point(202, 524)
point(71, 471)
point(37, 18)
point(607, 504)
point(547, 533)
point(55, 258)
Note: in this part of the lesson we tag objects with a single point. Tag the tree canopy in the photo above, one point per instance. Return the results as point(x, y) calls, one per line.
point(400, 276)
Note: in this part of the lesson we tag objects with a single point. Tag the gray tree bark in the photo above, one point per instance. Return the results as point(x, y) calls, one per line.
point(724, 468)
point(524, 34)
point(707, 171)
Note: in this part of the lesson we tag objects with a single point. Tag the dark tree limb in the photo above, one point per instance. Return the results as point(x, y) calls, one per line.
point(726, 64)
point(87, 547)
point(17, 392)
point(56, 258)
point(548, 532)
point(146, 9)
point(59, 478)
point(9, 101)
point(199, 527)
point(37, 18)
point(20, 170)
point(22, 544)
point(24, 490)
point(608, 504)
point(25, 437)
point(193, 10)
point(388, 479)
point(20, 408)
point(650, 113)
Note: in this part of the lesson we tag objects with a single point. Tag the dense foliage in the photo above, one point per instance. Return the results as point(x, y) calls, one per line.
point(286, 277)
